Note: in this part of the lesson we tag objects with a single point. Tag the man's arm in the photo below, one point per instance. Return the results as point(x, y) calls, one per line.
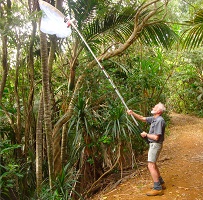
point(139, 117)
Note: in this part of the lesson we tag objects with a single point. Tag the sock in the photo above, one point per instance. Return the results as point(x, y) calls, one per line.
point(157, 186)
point(161, 180)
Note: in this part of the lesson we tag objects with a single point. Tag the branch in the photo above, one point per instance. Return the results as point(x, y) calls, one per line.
point(69, 112)
point(161, 20)
point(9, 118)
point(137, 29)
point(142, 8)
point(106, 171)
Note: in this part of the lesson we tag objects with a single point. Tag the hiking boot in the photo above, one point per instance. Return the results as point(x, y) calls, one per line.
point(163, 185)
point(155, 193)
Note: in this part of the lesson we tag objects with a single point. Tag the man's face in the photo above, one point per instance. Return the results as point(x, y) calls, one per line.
point(155, 110)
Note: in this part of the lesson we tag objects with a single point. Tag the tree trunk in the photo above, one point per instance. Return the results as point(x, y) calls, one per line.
point(39, 146)
point(30, 68)
point(56, 135)
point(73, 66)
point(4, 39)
point(47, 106)
point(4, 64)
point(64, 145)
point(17, 99)
point(56, 138)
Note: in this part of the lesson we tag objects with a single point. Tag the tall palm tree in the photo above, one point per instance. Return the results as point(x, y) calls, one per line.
point(47, 106)
point(39, 146)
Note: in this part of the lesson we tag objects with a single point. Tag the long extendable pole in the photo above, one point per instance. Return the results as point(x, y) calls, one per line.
point(104, 71)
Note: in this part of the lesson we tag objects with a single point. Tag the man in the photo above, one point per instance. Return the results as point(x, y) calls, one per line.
point(155, 138)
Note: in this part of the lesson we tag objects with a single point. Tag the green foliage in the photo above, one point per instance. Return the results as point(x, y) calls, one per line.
point(146, 80)
point(105, 139)
point(120, 130)
point(10, 170)
point(186, 85)
point(63, 187)
point(6, 147)
point(99, 123)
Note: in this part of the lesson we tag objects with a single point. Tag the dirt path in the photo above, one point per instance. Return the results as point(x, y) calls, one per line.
point(181, 165)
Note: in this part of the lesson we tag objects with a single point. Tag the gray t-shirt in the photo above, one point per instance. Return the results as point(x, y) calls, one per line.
point(157, 127)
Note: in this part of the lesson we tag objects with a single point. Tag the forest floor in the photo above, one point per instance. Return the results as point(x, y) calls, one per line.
point(180, 164)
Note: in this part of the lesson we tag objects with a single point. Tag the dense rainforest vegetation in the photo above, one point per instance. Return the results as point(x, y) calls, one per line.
point(63, 129)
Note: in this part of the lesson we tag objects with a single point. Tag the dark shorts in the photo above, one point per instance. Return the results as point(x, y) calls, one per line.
point(154, 151)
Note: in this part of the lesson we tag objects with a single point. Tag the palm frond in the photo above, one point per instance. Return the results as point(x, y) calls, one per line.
point(158, 34)
point(113, 25)
point(117, 25)
point(193, 36)
point(84, 10)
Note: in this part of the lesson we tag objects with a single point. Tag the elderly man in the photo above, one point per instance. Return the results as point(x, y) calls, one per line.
point(155, 138)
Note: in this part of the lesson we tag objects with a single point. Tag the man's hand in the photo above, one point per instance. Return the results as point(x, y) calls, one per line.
point(143, 134)
point(139, 117)
point(130, 112)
